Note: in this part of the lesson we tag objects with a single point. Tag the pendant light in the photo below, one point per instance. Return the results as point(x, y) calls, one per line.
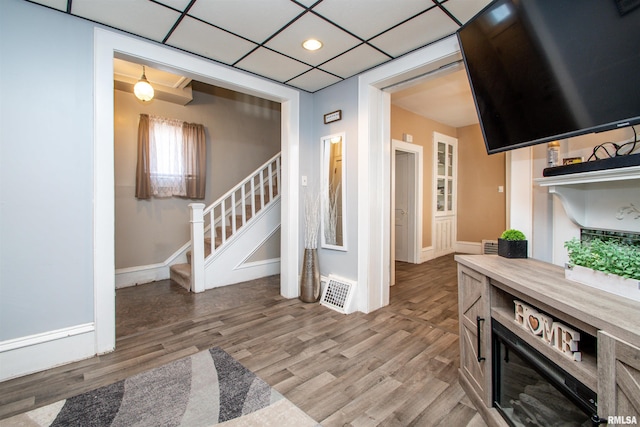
point(143, 90)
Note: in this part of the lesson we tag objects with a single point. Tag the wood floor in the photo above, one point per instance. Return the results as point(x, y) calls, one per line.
point(396, 366)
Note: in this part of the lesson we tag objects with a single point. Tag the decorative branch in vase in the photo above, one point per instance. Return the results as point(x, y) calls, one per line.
point(330, 217)
point(310, 277)
point(311, 219)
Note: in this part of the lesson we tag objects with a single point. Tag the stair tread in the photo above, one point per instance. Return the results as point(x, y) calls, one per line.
point(182, 269)
point(181, 274)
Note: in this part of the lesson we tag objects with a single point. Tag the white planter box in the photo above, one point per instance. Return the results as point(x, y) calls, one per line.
point(628, 288)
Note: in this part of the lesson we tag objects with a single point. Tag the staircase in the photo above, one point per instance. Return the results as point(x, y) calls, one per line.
point(242, 219)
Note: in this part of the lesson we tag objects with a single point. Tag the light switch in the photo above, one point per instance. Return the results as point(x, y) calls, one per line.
point(500, 189)
point(304, 180)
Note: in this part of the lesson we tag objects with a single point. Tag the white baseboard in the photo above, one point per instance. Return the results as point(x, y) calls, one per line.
point(133, 276)
point(248, 271)
point(267, 264)
point(34, 353)
point(427, 254)
point(473, 248)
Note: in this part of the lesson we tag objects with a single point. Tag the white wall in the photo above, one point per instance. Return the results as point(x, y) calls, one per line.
point(551, 225)
point(46, 170)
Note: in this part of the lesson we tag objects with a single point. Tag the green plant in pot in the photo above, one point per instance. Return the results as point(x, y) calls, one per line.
point(608, 256)
point(512, 244)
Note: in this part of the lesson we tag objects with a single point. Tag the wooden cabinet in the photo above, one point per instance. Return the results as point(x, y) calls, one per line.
point(475, 332)
point(488, 286)
point(618, 379)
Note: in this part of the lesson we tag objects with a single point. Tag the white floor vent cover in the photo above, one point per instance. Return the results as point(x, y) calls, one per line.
point(337, 294)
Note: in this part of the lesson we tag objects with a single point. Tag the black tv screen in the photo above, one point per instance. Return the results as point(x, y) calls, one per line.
point(542, 70)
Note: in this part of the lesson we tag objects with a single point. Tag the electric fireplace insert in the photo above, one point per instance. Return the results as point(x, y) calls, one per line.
point(531, 390)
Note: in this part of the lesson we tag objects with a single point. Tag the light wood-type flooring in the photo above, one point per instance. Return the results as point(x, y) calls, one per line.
point(396, 366)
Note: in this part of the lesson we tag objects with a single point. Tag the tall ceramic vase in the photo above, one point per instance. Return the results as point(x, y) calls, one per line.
point(310, 278)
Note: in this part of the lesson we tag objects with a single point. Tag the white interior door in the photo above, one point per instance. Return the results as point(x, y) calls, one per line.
point(413, 175)
point(402, 207)
point(445, 150)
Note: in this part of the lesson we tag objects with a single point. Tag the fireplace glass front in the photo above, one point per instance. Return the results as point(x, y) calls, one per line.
point(530, 390)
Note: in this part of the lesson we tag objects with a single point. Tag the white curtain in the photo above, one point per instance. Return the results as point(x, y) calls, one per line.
point(166, 162)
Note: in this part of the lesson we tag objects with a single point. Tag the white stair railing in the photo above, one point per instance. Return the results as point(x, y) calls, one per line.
point(229, 213)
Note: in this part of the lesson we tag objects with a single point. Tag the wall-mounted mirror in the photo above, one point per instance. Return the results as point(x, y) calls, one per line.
point(333, 232)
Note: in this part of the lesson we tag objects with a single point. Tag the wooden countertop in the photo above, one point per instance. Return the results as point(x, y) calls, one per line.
point(545, 282)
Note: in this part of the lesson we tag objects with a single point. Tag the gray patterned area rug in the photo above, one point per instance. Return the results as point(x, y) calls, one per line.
point(208, 388)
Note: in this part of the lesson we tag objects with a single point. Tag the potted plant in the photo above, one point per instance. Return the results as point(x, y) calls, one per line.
point(512, 244)
point(609, 265)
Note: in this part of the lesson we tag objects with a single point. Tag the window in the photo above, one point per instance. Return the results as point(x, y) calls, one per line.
point(166, 160)
point(171, 158)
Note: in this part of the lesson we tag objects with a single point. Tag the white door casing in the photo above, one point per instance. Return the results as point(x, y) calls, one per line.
point(374, 160)
point(414, 226)
point(107, 45)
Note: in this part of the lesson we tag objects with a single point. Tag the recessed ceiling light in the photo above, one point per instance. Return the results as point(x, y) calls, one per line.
point(312, 44)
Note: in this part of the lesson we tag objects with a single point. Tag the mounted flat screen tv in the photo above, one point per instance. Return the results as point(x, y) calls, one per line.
point(542, 70)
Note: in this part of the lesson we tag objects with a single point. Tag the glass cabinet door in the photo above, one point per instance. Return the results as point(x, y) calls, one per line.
point(445, 186)
point(440, 195)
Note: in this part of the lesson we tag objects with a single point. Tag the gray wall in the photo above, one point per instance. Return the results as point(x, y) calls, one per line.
point(342, 96)
point(309, 153)
point(242, 133)
point(46, 170)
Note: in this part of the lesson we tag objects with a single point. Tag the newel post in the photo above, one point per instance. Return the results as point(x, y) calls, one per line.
point(197, 246)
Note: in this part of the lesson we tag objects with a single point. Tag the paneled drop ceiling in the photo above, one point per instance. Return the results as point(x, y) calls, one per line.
point(264, 37)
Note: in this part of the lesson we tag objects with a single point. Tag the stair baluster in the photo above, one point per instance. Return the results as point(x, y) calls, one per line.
point(216, 215)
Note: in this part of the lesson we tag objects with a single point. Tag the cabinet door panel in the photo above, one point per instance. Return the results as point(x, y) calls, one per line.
point(618, 377)
point(473, 303)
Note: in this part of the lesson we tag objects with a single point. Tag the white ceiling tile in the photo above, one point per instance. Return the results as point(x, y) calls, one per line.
point(247, 18)
point(180, 5)
point(208, 30)
point(203, 39)
point(55, 4)
point(140, 17)
point(415, 33)
point(355, 61)
point(464, 10)
point(313, 80)
point(334, 40)
point(307, 3)
point(373, 16)
point(272, 65)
